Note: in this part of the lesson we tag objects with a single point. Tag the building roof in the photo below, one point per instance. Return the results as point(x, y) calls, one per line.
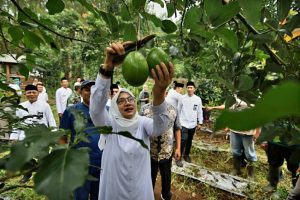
point(7, 58)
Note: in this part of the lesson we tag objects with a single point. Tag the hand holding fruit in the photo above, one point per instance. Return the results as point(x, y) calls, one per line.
point(113, 49)
point(162, 78)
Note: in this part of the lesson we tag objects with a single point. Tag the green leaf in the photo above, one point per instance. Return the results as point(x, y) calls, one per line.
point(279, 102)
point(229, 37)
point(171, 9)
point(283, 8)
point(230, 100)
point(125, 13)
point(129, 33)
point(200, 30)
point(192, 17)
point(61, 172)
point(5, 87)
point(245, 83)
point(219, 14)
point(55, 6)
point(111, 21)
point(108, 130)
point(156, 21)
point(168, 26)
point(24, 70)
point(31, 39)
point(16, 34)
point(251, 10)
point(35, 145)
point(262, 38)
point(138, 4)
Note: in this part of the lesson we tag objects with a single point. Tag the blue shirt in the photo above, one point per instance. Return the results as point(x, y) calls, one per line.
point(93, 135)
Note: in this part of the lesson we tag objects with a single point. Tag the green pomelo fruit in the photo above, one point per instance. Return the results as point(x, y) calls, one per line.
point(135, 69)
point(155, 57)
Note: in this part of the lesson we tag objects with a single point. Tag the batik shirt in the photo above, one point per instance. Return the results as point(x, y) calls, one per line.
point(161, 147)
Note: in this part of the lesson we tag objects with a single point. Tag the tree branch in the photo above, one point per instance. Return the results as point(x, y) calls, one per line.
point(181, 23)
point(47, 28)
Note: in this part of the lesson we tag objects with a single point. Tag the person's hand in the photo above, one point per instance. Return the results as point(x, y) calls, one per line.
point(198, 127)
point(208, 108)
point(114, 49)
point(162, 77)
point(264, 146)
point(177, 154)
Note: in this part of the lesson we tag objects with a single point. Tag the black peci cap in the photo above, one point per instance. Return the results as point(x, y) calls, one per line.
point(30, 87)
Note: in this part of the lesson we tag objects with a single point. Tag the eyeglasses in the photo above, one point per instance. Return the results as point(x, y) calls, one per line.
point(122, 101)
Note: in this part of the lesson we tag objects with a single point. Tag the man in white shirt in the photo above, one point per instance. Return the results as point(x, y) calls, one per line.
point(41, 114)
point(62, 95)
point(43, 96)
point(174, 94)
point(191, 118)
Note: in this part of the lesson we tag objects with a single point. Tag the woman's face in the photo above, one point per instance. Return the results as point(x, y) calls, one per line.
point(126, 105)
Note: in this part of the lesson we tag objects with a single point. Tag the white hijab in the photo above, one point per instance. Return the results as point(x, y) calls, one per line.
point(119, 123)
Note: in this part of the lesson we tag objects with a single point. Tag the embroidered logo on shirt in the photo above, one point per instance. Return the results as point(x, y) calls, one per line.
point(195, 107)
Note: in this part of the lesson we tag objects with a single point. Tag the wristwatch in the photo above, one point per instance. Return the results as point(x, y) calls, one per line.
point(106, 73)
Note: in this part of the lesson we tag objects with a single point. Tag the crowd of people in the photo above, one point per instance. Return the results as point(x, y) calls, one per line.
point(167, 122)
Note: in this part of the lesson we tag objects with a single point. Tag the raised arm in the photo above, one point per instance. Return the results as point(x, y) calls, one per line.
point(98, 99)
point(99, 91)
point(161, 120)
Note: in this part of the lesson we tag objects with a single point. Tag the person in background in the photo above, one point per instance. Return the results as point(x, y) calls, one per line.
point(43, 96)
point(90, 189)
point(279, 150)
point(174, 94)
point(36, 81)
point(242, 145)
point(126, 169)
point(41, 114)
point(114, 89)
point(61, 96)
point(15, 85)
point(161, 149)
point(78, 81)
point(144, 96)
point(191, 118)
point(75, 97)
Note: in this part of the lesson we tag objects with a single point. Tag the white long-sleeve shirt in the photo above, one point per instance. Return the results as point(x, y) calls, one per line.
point(190, 111)
point(62, 95)
point(43, 96)
point(126, 171)
point(173, 98)
point(41, 114)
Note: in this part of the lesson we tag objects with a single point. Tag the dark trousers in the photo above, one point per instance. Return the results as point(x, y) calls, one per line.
point(278, 153)
point(165, 172)
point(186, 140)
point(89, 190)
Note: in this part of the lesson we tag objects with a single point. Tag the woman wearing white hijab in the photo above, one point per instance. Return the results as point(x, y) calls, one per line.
point(125, 170)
